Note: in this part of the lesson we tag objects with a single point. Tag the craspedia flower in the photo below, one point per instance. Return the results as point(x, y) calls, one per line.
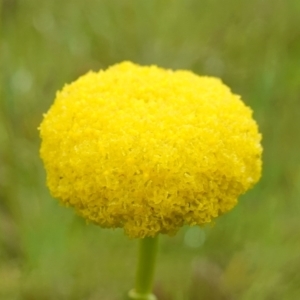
point(148, 149)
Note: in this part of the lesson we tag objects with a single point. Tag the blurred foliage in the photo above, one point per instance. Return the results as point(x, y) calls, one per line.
point(46, 252)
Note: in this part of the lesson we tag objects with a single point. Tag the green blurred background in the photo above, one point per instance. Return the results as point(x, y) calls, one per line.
point(46, 251)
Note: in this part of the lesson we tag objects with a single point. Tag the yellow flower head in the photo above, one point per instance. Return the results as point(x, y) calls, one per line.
point(149, 149)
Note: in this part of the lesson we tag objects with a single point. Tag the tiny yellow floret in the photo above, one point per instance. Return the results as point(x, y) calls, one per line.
point(149, 149)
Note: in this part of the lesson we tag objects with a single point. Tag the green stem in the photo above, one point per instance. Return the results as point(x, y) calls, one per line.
point(145, 270)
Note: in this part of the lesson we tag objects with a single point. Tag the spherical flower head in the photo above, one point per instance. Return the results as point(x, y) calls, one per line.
point(149, 149)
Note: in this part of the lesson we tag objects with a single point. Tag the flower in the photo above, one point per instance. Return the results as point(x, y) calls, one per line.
point(149, 149)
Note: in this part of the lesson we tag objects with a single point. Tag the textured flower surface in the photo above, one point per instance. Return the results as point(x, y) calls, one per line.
point(149, 149)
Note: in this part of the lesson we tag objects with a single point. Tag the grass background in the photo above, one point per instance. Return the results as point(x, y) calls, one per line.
point(46, 252)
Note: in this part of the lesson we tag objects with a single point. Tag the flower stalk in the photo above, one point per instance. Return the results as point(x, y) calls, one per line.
point(145, 269)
